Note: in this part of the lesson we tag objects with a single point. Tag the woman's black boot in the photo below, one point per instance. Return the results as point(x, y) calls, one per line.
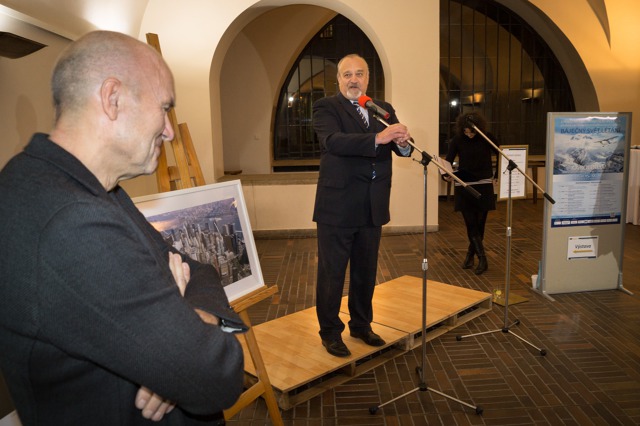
point(482, 258)
point(468, 261)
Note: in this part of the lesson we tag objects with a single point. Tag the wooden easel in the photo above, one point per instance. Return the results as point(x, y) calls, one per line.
point(263, 385)
point(187, 174)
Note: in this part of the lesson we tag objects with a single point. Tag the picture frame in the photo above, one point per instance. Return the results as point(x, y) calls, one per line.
point(209, 224)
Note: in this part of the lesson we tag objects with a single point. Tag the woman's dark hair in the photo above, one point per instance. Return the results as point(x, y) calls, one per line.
point(464, 122)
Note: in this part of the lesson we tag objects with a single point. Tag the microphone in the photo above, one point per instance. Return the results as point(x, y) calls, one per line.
point(366, 102)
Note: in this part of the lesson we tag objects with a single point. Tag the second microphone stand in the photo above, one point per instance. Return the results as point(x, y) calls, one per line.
point(507, 327)
point(420, 370)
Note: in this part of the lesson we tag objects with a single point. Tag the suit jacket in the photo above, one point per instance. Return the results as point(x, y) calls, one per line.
point(348, 195)
point(90, 310)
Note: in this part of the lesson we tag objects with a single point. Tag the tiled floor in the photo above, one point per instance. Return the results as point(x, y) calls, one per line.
point(590, 375)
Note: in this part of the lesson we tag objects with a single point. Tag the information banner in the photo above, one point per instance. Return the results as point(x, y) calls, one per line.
point(587, 174)
point(588, 169)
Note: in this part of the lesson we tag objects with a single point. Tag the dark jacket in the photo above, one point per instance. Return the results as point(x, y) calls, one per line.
point(90, 310)
point(475, 157)
point(347, 194)
point(475, 167)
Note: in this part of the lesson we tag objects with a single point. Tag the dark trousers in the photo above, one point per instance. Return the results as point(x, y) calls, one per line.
point(338, 247)
point(475, 221)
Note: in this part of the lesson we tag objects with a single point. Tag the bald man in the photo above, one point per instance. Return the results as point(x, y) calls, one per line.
point(102, 322)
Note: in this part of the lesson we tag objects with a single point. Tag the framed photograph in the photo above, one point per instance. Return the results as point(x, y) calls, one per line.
point(209, 224)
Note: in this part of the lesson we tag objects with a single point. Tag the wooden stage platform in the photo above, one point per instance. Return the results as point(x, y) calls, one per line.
point(300, 368)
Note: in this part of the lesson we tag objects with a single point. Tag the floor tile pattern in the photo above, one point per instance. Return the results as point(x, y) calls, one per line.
point(589, 376)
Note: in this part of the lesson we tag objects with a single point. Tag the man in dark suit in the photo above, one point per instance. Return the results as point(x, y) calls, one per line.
point(352, 202)
point(101, 321)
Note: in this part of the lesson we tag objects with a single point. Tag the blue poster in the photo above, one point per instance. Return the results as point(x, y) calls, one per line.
point(588, 170)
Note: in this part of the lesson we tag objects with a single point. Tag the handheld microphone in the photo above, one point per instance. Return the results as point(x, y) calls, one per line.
point(366, 102)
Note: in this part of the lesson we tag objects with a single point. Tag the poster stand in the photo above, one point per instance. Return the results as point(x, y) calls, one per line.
point(588, 171)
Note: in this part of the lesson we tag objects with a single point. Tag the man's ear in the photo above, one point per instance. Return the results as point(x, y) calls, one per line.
point(110, 96)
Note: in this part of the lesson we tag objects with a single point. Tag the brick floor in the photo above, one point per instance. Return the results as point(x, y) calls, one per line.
point(590, 375)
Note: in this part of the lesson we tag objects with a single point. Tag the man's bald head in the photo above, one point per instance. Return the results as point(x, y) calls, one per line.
point(91, 59)
point(112, 96)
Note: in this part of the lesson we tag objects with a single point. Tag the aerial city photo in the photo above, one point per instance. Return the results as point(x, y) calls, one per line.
point(209, 233)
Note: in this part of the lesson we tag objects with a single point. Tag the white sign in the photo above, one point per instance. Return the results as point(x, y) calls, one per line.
point(517, 154)
point(582, 248)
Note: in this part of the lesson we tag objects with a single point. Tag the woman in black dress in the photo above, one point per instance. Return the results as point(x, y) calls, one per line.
point(475, 167)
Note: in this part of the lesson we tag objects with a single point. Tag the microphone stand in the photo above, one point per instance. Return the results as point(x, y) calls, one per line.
point(507, 327)
point(420, 370)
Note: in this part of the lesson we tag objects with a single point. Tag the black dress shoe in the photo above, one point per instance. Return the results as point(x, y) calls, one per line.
point(336, 347)
point(369, 337)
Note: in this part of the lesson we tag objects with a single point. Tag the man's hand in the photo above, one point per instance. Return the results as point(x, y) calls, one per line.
point(182, 275)
point(153, 406)
point(180, 270)
point(397, 133)
point(207, 317)
point(402, 143)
